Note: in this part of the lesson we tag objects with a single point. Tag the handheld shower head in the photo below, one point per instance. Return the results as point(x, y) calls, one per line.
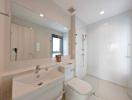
point(84, 36)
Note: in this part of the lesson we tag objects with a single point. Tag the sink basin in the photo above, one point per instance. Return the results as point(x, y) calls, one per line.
point(45, 77)
point(48, 86)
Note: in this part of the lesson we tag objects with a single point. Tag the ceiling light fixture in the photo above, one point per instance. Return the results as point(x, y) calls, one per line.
point(41, 15)
point(102, 12)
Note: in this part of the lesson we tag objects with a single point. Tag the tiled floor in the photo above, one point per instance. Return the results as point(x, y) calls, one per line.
point(105, 90)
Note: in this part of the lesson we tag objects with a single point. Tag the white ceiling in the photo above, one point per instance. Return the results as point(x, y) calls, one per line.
point(88, 10)
point(65, 4)
point(28, 15)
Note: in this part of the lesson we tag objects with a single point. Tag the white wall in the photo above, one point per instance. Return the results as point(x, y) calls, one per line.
point(130, 84)
point(130, 70)
point(108, 47)
point(65, 44)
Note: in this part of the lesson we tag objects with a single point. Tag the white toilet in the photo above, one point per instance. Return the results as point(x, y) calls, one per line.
point(75, 88)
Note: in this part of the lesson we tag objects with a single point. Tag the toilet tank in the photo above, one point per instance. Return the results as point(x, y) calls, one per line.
point(68, 70)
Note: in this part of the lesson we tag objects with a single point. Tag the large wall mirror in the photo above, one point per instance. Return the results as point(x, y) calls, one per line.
point(33, 36)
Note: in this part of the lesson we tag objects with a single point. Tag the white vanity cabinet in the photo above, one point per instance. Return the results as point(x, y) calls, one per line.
point(68, 70)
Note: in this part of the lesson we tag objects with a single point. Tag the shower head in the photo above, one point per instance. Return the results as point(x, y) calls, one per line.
point(84, 36)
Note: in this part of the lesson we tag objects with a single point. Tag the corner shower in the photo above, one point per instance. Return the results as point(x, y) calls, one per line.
point(84, 36)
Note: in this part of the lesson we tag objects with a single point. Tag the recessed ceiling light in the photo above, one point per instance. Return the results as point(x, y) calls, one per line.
point(102, 12)
point(65, 28)
point(41, 15)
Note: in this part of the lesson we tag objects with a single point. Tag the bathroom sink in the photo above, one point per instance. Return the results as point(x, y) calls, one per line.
point(45, 77)
point(47, 86)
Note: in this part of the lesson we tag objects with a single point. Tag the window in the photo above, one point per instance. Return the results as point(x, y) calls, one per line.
point(57, 45)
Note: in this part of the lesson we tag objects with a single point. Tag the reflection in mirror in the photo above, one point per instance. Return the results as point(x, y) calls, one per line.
point(33, 36)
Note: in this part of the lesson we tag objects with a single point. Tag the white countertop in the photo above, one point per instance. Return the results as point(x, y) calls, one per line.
point(15, 72)
point(23, 70)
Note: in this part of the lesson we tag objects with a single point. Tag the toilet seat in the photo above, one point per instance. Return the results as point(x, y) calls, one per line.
point(79, 86)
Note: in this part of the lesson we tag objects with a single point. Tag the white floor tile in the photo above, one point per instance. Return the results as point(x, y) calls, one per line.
point(96, 98)
point(105, 90)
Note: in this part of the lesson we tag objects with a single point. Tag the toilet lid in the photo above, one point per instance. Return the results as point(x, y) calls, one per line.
point(80, 86)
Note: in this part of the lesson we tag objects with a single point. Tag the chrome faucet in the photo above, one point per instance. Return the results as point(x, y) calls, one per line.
point(37, 69)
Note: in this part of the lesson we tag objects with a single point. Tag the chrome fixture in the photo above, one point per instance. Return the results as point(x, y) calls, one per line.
point(71, 10)
point(1, 13)
point(37, 69)
point(84, 37)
